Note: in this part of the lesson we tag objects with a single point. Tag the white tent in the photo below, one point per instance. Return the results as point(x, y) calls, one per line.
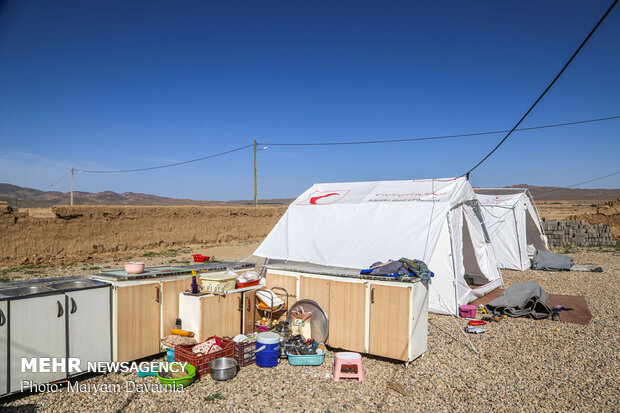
point(355, 224)
point(513, 224)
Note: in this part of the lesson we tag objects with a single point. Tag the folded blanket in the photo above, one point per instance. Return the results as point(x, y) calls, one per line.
point(523, 299)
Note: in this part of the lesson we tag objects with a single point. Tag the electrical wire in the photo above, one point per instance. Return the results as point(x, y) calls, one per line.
point(60, 179)
point(166, 166)
point(546, 90)
point(462, 135)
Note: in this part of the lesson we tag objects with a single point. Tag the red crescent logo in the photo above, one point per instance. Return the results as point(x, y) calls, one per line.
point(316, 198)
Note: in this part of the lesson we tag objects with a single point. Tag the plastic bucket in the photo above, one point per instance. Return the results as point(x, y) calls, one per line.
point(170, 354)
point(267, 349)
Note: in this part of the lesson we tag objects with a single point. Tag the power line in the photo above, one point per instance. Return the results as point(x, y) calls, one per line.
point(547, 89)
point(580, 183)
point(165, 166)
point(60, 179)
point(462, 135)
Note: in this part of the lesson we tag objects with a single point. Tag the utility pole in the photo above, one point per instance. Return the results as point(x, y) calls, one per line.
point(255, 179)
point(71, 186)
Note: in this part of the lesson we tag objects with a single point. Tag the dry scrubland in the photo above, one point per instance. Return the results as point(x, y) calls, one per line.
point(523, 365)
point(84, 233)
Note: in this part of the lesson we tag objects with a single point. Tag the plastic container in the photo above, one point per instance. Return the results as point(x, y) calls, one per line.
point(247, 284)
point(218, 283)
point(468, 311)
point(180, 382)
point(476, 323)
point(245, 353)
point(305, 360)
point(200, 258)
point(267, 349)
point(134, 267)
point(200, 361)
point(170, 354)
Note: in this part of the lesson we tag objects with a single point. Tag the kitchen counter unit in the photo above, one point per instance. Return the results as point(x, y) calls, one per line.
point(145, 309)
point(383, 316)
point(56, 317)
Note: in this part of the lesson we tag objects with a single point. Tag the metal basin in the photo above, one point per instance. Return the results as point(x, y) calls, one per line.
point(70, 285)
point(22, 291)
point(224, 368)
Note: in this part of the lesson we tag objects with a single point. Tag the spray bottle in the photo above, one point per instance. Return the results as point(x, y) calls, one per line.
point(194, 283)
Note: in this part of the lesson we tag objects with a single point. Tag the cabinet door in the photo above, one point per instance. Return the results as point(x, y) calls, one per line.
point(347, 324)
point(88, 313)
point(249, 310)
point(137, 321)
point(37, 329)
point(220, 316)
point(4, 354)
point(389, 321)
point(316, 289)
point(232, 310)
point(288, 282)
point(170, 302)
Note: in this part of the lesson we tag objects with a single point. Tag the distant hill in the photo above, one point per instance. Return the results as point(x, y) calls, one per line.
point(20, 197)
point(553, 193)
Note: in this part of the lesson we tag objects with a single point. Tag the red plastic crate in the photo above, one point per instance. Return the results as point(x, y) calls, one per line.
point(201, 362)
point(200, 258)
point(247, 284)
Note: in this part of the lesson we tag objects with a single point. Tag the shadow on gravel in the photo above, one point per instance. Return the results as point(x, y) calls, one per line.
point(21, 409)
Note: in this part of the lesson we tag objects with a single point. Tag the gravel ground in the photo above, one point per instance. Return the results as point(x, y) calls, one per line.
point(523, 365)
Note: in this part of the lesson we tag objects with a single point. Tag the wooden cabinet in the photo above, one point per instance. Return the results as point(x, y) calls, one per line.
point(316, 289)
point(217, 315)
point(389, 321)
point(383, 318)
point(288, 282)
point(170, 302)
point(250, 313)
point(220, 315)
point(137, 321)
point(347, 325)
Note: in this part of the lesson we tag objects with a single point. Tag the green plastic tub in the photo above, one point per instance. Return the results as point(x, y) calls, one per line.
point(181, 381)
point(305, 360)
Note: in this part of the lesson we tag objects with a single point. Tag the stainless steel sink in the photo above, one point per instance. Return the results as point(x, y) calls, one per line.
point(22, 291)
point(75, 284)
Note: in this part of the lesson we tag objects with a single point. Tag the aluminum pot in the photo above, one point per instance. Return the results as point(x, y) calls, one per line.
point(224, 368)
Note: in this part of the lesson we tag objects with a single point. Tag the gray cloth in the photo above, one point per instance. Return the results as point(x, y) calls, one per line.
point(523, 299)
point(548, 261)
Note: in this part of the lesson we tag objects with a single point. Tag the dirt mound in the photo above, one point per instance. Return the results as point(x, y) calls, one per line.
point(81, 233)
point(606, 213)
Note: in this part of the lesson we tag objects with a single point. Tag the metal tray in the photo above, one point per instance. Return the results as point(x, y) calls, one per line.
point(320, 322)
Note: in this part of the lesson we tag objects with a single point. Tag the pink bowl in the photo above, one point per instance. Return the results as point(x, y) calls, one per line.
point(134, 267)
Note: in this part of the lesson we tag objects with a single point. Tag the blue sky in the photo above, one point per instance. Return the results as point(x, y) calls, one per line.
point(118, 85)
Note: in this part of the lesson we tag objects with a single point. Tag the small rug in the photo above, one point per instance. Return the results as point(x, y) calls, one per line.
point(580, 313)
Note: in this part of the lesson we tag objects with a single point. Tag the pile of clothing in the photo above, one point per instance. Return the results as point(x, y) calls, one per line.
point(403, 269)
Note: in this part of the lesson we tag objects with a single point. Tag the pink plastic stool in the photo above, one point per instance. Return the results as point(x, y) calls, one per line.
point(348, 359)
